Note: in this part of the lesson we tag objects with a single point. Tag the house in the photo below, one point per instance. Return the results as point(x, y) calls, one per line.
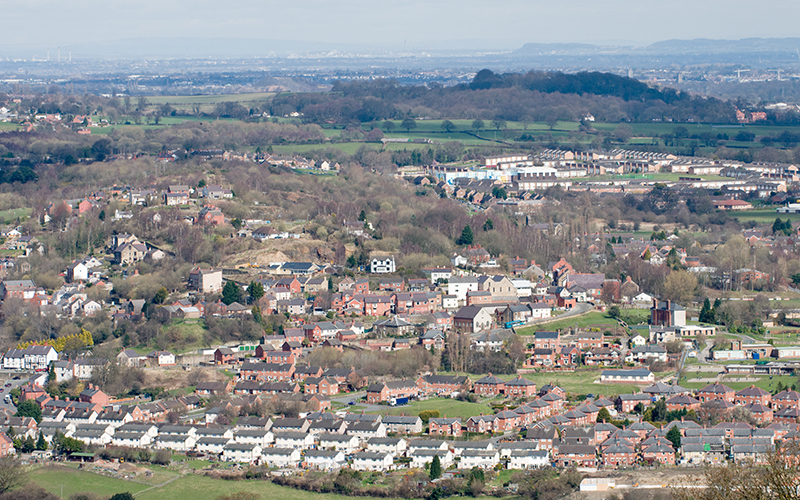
point(241, 452)
point(442, 384)
point(716, 391)
point(281, 457)
point(489, 386)
point(365, 430)
point(206, 280)
point(659, 453)
point(472, 319)
point(667, 314)
point(432, 339)
point(94, 396)
point(161, 358)
point(422, 457)
point(394, 446)
point(325, 460)
point(338, 442)
point(529, 459)
point(575, 455)
point(646, 354)
point(444, 427)
point(372, 461)
point(385, 391)
point(752, 395)
point(224, 356)
point(403, 424)
point(77, 271)
point(294, 439)
point(520, 388)
point(484, 459)
point(547, 340)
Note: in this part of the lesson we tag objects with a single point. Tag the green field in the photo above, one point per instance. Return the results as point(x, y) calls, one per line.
point(191, 486)
point(592, 319)
point(766, 383)
point(12, 214)
point(450, 407)
point(766, 216)
point(580, 382)
point(51, 477)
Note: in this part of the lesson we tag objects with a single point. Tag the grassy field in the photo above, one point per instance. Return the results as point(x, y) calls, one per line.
point(12, 214)
point(733, 381)
point(51, 478)
point(580, 382)
point(193, 486)
point(592, 319)
point(450, 407)
point(765, 216)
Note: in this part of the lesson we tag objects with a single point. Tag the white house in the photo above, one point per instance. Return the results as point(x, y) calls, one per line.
point(241, 452)
point(540, 310)
point(281, 457)
point(132, 439)
point(77, 271)
point(261, 437)
point(529, 459)
point(292, 439)
point(485, 459)
point(90, 307)
point(39, 357)
point(638, 376)
point(523, 287)
point(14, 359)
point(325, 460)
point(449, 302)
point(176, 442)
point(338, 442)
point(372, 460)
point(213, 445)
point(162, 358)
point(382, 266)
point(396, 446)
point(420, 458)
point(459, 286)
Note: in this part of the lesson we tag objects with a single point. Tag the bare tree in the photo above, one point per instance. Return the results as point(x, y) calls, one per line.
point(12, 474)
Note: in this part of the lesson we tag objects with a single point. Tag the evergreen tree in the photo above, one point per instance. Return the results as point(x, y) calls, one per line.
point(231, 293)
point(41, 444)
point(436, 468)
point(674, 435)
point(256, 291)
point(466, 237)
point(28, 445)
point(706, 312)
point(603, 415)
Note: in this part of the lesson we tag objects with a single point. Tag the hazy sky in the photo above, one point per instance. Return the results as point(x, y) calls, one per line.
point(501, 23)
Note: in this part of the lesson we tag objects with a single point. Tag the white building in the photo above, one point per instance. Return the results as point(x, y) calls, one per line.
point(485, 459)
point(325, 460)
point(213, 445)
point(459, 286)
point(338, 442)
point(420, 458)
point(395, 446)
point(280, 457)
point(241, 452)
point(529, 459)
point(382, 266)
point(373, 460)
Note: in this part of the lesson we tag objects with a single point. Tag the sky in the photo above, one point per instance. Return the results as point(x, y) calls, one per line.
point(414, 24)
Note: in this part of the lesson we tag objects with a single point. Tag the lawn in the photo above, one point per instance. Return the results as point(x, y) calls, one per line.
point(766, 383)
point(12, 214)
point(766, 216)
point(450, 407)
point(193, 486)
point(202, 488)
point(592, 319)
point(581, 382)
point(51, 477)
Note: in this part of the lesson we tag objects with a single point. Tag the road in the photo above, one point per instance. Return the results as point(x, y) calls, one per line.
point(8, 378)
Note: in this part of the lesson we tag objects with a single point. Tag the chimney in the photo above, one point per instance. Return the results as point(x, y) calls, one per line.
point(668, 304)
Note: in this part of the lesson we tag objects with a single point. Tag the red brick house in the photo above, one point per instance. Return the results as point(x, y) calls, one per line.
point(224, 356)
point(303, 372)
point(385, 391)
point(786, 399)
point(659, 453)
point(377, 305)
point(266, 371)
point(321, 385)
point(752, 395)
point(489, 386)
point(715, 391)
point(6, 445)
point(520, 388)
point(293, 347)
point(506, 420)
point(312, 332)
point(575, 455)
point(619, 455)
point(481, 424)
point(442, 384)
point(444, 427)
point(280, 357)
point(93, 395)
point(682, 402)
